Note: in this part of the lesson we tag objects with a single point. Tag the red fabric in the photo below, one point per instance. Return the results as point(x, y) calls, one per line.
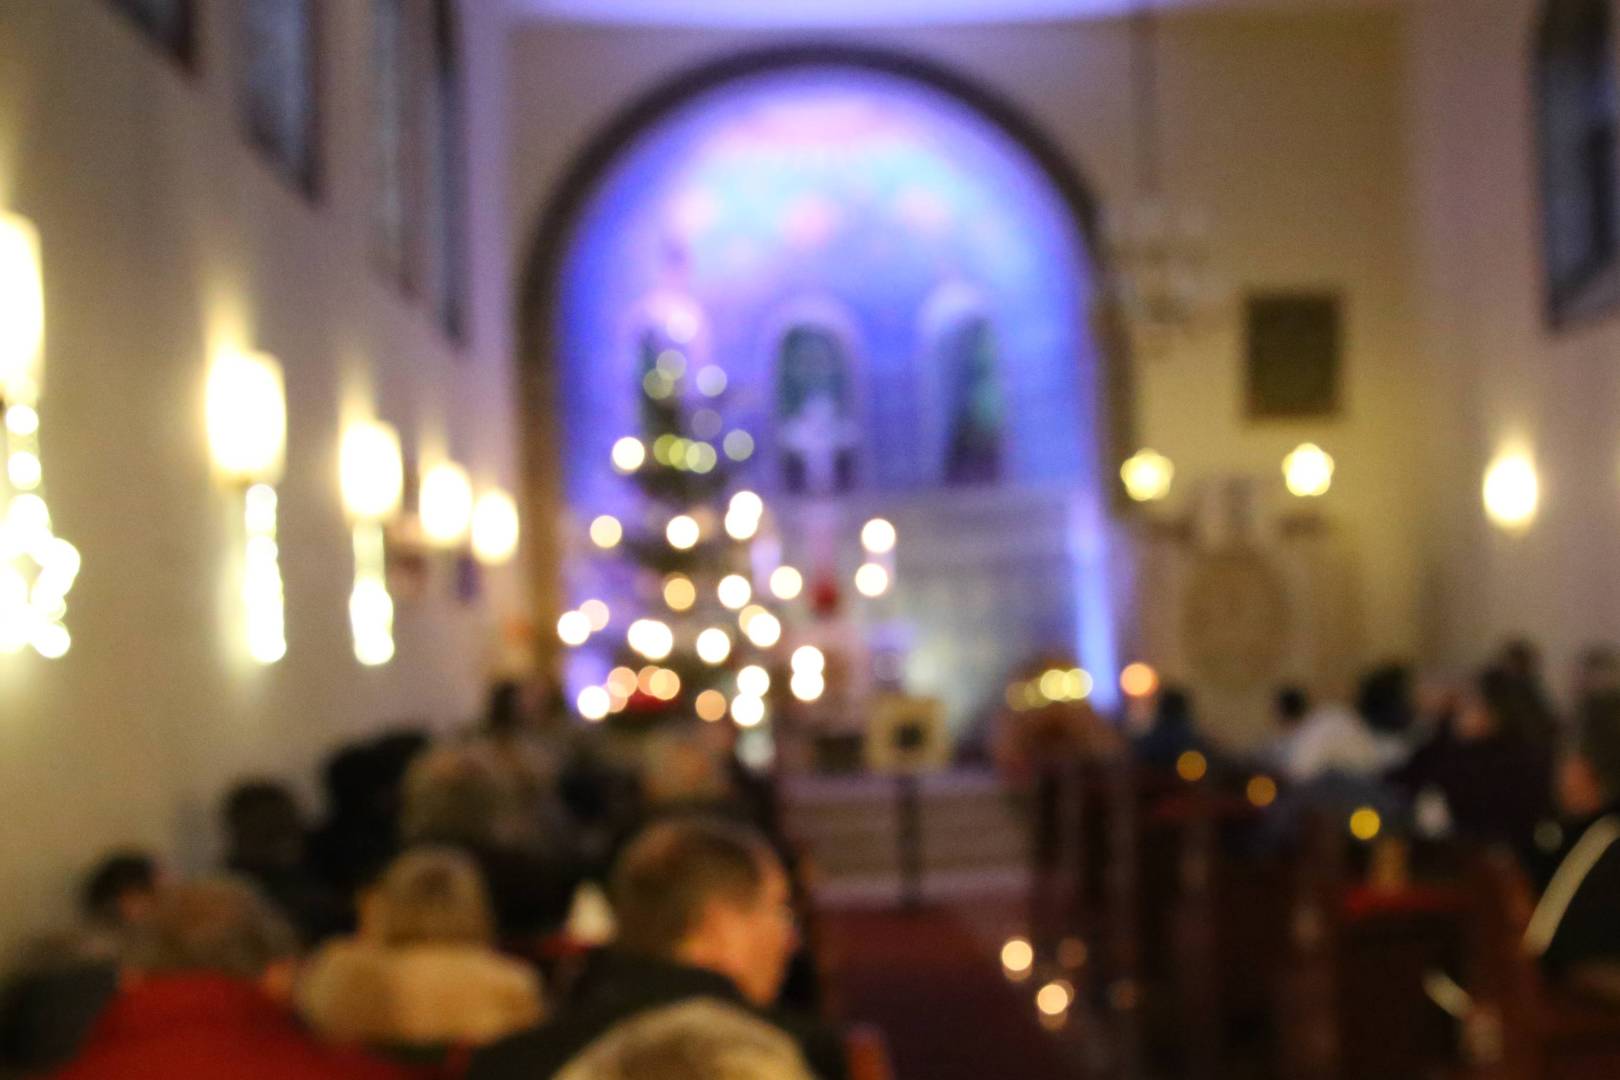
point(1366, 902)
point(210, 1027)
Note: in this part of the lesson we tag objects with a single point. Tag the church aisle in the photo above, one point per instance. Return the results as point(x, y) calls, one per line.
point(936, 990)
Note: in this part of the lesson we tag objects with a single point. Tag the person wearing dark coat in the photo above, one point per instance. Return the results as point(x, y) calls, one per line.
point(704, 912)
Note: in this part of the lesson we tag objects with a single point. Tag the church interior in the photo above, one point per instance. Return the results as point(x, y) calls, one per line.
point(1068, 493)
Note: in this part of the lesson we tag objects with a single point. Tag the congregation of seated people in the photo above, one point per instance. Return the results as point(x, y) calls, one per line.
point(1472, 764)
point(489, 906)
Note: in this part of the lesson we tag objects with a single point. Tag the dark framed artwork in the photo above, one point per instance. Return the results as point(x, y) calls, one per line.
point(1576, 128)
point(170, 24)
point(447, 169)
point(394, 142)
point(280, 88)
point(1293, 345)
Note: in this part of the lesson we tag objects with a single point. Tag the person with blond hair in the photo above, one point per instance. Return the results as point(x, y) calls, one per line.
point(423, 971)
point(702, 1039)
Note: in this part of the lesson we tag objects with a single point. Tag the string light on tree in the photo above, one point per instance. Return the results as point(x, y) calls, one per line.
point(786, 583)
point(871, 580)
point(713, 645)
point(606, 532)
point(574, 628)
point(878, 536)
point(734, 591)
point(683, 532)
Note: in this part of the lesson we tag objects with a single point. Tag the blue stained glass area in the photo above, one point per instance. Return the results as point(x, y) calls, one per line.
point(854, 201)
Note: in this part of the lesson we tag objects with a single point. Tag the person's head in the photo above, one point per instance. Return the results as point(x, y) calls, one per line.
point(1174, 709)
point(1597, 672)
point(429, 896)
point(1589, 776)
point(1521, 659)
point(220, 926)
point(1384, 698)
point(1292, 705)
point(707, 894)
point(451, 796)
point(506, 712)
point(694, 1040)
point(263, 825)
point(121, 889)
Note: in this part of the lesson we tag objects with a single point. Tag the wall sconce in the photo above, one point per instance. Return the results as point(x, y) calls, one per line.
point(494, 527)
point(1512, 492)
point(1308, 471)
point(372, 479)
point(445, 505)
point(37, 568)
point(1147, 476)
point(247, 438)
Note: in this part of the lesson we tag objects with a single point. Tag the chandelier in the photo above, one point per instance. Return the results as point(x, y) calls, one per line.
point(1158, 249)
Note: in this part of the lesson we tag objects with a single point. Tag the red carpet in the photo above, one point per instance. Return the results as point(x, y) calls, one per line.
point(939, 996)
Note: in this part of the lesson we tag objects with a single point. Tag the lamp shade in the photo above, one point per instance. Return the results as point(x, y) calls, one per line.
point(247, 417)
point(22, 312)
point(371, 471)
point(445, 504)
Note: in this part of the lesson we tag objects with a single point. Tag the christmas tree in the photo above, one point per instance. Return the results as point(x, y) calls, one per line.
point(702, 634)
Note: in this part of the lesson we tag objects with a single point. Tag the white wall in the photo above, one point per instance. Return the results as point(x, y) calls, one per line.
point(164, 234)
point(1508, 379)
point(1287, 128)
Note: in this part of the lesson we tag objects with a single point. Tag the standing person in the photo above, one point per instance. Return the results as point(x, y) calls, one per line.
point(704, 911)
point(205, 997)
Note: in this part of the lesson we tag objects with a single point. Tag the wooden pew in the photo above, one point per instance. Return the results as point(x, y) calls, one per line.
point(1351, 1002)
point(1519, 1025)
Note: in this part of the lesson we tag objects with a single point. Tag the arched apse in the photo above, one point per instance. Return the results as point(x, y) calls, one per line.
point(870, 182)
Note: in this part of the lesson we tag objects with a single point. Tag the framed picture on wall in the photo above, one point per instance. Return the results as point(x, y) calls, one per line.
point(1293, 343)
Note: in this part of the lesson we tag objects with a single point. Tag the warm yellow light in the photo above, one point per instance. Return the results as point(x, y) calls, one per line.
point(263, 594)
point(786, 583)
point(1512, 492)
point(871, 580)
point(764, 630)
point(1262, 791)
point(1078, 684)
point(52, 640)
point(24, 470)
point(682, 532)
point(1191, 766)
point(494, 527)
point(713, 645)
point(664, 684)
point(808, 685)
point(748, 711)
point(445, 504)
point(371, 609)
point(1055, 997)
point(574, 627)
point(650, 638)
point(1054, 684)
point(22, 420)
point(710, 705)
point(808, 658)
point(1139, 680)
point(621, 682)
point(372, 471)
point(22, 312)
point(1147, 475)
point(1017, 956)
point(1365, 823)
point(878, 536)
point(734, 591)
point(247, 417)
point(753, 680)
point(746, 504)
point(1308, 471)
point(679, 592)
point(597, 613)
point(594, 703)
point(606, 532)
point(629, 454)
point(740, 527)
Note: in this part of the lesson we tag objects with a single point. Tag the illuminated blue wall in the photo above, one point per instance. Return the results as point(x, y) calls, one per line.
point(854, 191)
